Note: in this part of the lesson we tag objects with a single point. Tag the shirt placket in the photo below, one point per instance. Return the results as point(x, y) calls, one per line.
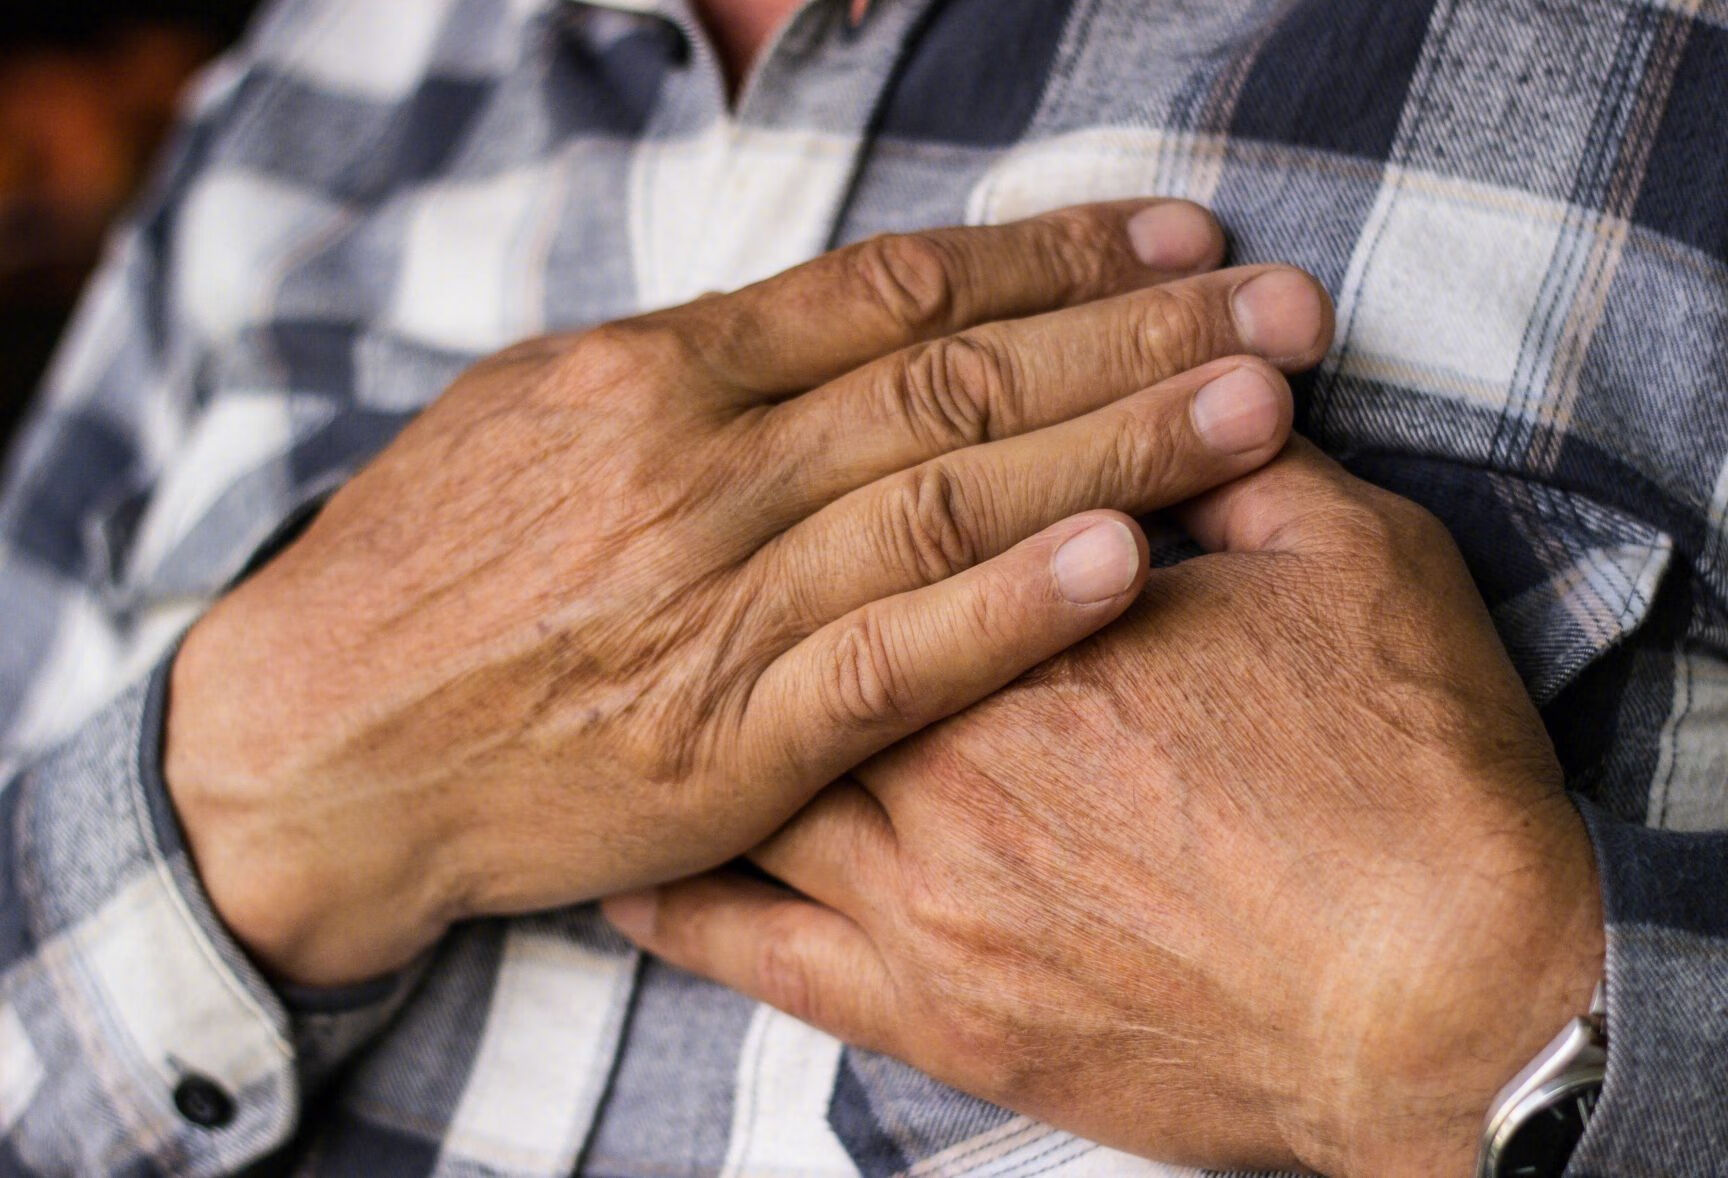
point(722, 195)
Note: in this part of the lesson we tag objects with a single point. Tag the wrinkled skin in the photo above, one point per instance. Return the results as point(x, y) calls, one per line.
point(620, 602)
point(1277, 871)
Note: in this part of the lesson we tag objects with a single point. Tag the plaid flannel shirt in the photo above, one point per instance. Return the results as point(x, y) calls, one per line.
point(1521, 207)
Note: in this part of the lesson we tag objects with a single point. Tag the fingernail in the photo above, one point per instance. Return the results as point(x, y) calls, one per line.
point(633, 913)
point(1238, 412)
point(1098, 564)
point(1174, 235)
point(1278, 313)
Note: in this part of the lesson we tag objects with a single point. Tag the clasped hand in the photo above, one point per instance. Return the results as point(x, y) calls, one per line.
point(620, 602)
point(1233, 882)
point(1276, 872)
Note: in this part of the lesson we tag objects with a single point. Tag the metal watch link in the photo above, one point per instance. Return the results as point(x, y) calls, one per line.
point(1537, 1120)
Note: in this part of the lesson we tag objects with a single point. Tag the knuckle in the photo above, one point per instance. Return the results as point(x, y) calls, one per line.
point(1175, 328)
point(1142, 458)
point(1075, 248)
point(1413, 538)
point(911, 277)
point(869, 689)
point(951, 390)
point(1366, 530)
point(782, 971)
point(626, 349)
point(993, 620)
point(928, 910)
point(613, 342)
point(931, 903)
point(928, 525)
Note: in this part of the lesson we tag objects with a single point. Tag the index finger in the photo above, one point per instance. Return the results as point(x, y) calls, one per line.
point(799, 329)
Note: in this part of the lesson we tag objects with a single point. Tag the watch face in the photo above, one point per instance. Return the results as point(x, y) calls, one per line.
point(1542, 1145)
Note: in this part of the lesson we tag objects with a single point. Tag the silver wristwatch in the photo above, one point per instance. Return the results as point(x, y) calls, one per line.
point(1538, 1119)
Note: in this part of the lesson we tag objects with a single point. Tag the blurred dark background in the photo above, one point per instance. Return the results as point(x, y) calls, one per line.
point(87, 91)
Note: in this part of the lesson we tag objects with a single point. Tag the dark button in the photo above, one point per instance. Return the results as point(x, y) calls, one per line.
point(674, 44)
point(202, 1101)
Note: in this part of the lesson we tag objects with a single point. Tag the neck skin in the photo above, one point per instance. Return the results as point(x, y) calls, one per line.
point(741, 28)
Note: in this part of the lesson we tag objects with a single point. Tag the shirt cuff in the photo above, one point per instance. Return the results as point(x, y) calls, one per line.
point(325, 1025)
point(150, 1027)
point(1664, 1107)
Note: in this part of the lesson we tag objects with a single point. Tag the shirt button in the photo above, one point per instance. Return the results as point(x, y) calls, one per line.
point(202, 1101)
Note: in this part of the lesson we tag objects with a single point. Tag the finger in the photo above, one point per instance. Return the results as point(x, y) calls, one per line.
point(1142, 453)
point(1001, 379)
point(808, 325)
point(838, 850)
point(799, 957)
point(895, 665)
point(1302, 501)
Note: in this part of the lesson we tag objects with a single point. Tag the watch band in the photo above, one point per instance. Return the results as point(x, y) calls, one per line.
point(1537, 1120)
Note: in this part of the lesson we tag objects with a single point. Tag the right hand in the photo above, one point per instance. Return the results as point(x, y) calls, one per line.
point(620, 602)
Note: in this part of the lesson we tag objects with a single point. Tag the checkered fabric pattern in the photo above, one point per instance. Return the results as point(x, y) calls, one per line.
point(1521, 207)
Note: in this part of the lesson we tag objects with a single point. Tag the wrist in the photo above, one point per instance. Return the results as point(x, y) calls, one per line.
point(1507, 947)
point(316, 881)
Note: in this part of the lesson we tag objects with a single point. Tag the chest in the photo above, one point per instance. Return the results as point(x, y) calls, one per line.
point(1516, 205)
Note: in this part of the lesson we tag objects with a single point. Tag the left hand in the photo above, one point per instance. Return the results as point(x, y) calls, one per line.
point(1276, 872)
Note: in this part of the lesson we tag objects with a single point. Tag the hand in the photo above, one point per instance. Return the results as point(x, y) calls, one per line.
point(1277, 872)
point(619, 603)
